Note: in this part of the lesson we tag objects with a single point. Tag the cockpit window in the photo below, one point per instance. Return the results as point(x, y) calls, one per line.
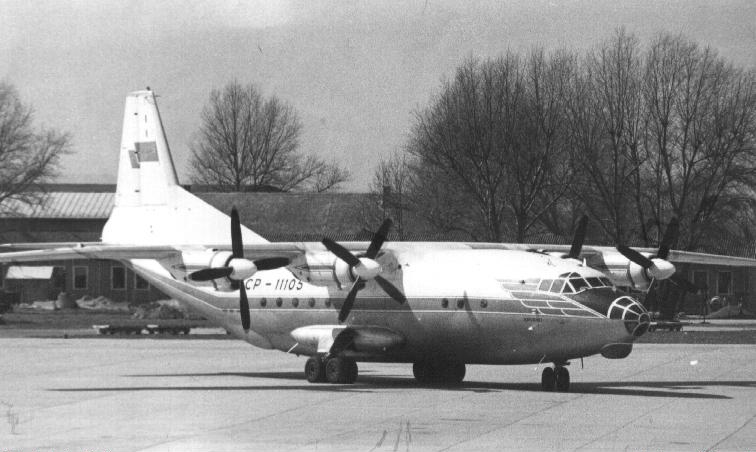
point(595, 282)
point(545, 285)
point(579, 284)
point(557, 286)
point(572, 282)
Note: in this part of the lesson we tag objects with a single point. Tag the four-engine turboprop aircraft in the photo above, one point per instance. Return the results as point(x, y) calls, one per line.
point(439, 306)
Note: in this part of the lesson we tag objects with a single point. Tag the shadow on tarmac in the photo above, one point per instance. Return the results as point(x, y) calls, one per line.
point(371, 383)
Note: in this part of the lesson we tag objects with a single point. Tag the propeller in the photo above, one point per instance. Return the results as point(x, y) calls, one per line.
point(237, 269)
point(658, 266)
point(365, 268)
point(578, 238)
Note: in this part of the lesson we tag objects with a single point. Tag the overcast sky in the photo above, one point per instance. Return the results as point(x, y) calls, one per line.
point(354, 71)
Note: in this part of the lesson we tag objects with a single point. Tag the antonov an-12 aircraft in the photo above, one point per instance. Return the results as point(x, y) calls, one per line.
point(438, 306)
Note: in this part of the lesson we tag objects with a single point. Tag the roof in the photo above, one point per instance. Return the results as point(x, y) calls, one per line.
point(275, 216)
point(62, 205)
point(295, 216)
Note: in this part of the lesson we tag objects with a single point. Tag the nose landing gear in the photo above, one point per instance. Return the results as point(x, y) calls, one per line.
point(557, 378)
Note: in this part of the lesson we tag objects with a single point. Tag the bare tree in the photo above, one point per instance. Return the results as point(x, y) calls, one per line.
point(605, 128)
point(28, 156)
point(701, 130)
point(490, 141)
point(249, 142)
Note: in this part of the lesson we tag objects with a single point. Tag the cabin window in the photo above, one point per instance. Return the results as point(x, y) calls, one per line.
point(444, 303)
point(140, 283)
point(327, 302)
point(263, 302)
point(460, 303)
point(118, 278)
point(483, 303)
point(279, 302)
point(295, 302)
point(311, 302)
point(80, 277)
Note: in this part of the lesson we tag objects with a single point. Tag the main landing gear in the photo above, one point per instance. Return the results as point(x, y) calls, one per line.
point(557, 377)
point(439, 372)
point(320, 369)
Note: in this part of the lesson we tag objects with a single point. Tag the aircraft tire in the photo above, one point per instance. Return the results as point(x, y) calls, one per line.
point(452, 373)
point(352, 371)
point(562, 379)
point(548, 379)
point(340, 370)
point(315, 370)
point(423, 372)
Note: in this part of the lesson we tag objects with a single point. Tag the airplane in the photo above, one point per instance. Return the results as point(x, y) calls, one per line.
point(437, 305)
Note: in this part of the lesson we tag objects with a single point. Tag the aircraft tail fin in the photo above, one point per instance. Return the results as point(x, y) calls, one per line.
point(145, 169)
point(151, 208)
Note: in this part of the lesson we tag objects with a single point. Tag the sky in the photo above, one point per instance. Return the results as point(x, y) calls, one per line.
point(355, 71)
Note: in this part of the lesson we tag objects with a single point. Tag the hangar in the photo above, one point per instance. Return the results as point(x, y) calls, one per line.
point(78, 212)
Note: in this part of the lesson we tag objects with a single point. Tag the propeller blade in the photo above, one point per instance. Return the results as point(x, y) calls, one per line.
point(578, 238)
point(635, 256)
point(378, 239)
point(391, 289)
point(670, 235)
point(346, 308)
point(244, 307)
point(237, 248)
point(208, 274)
point(684, 283)
point(271, 263)
point(341, 252)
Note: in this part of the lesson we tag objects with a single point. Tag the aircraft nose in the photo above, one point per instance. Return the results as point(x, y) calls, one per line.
point(636, 318)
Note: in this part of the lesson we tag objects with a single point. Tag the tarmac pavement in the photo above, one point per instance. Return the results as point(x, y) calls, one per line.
point(111, 395)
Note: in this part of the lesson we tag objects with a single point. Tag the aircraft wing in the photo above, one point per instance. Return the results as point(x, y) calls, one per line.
point(46, 252)
point(35, 252)
point(675, 256)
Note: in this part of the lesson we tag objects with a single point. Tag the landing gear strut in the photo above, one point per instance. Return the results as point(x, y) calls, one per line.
point(439, 372)
point(332, 370)
point(557, 378)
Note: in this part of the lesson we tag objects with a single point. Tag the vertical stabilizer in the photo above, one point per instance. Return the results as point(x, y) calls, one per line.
point(145, 168)
point(150, 205)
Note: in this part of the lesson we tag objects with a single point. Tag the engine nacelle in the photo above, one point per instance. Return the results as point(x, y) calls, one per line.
point(193, 261)
point(627, 273)
point(637, 276)
point(323, 268)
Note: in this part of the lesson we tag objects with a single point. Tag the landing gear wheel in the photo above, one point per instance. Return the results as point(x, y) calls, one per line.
point(562, 378)
point(341, 370)
point(452, 373)
point(315, 370)
point(439, 372)
point(422, 372)
point(548, 379)
point(353, 371)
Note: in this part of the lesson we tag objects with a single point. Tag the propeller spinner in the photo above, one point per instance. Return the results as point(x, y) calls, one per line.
point(365, 268)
